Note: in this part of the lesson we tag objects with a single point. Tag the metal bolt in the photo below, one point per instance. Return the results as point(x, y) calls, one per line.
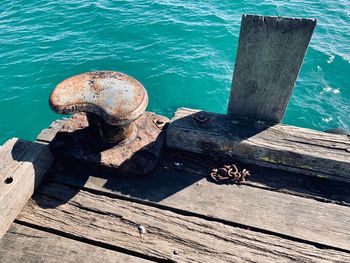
point(201, 117)
point(111, 100)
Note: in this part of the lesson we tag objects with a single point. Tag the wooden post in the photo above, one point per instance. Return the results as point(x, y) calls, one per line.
point(22, 167)
point(270, 54)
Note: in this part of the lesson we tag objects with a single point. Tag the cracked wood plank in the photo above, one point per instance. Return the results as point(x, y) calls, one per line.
point(284, 214)
point(269, 56)
point(170, 235)
point(25, 244)
point(22, 167)
point(278, 146)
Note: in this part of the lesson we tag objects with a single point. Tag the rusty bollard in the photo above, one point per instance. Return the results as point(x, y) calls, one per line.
point(110, 126)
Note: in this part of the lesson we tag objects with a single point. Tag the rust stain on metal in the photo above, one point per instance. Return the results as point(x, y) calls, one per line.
point(110, 126)
point(95, 88)
point(138, 154)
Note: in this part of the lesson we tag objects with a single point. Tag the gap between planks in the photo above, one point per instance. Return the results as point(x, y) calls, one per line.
point(41, 246)
point(271, 212)
point(326, 231)
point(318, 189)
point(279, 146)
point(170, 236)
point(267, 181)
point(277, 212)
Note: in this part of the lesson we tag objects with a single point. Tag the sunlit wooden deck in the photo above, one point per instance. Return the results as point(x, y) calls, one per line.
point(83, 214)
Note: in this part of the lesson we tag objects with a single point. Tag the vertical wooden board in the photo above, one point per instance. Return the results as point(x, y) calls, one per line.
point(270, 54)
point(23, 165)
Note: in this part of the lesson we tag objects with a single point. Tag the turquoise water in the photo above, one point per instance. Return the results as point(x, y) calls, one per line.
point(182, 51)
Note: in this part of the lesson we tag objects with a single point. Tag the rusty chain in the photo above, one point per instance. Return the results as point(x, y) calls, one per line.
point(229, 174)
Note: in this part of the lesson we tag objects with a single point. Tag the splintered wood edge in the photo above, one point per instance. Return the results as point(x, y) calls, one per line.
point(48, 134)
point(23, 165)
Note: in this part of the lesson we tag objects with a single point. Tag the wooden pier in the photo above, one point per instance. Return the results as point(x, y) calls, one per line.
point(295, 207)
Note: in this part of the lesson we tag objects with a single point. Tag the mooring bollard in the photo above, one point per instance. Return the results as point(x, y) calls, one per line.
point(110, 126)
point(111, 100)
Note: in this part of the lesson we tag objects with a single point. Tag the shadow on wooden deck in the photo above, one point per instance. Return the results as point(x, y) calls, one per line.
point(178, 170)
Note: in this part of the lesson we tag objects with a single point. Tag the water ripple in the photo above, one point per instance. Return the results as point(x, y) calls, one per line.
point(182, 51)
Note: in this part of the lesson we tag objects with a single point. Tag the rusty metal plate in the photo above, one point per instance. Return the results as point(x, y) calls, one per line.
point(114, 96)
point(139, 154)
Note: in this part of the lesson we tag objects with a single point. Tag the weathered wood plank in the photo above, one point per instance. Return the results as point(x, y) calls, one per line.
point(265, 178)
point(279, 146)
point(284, 214)
point(270, 53)
point(25, 244)
point(169, 235)
point(47, 135)
point(22, 167)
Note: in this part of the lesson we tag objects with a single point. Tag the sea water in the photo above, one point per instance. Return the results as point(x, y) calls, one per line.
point(183, 52)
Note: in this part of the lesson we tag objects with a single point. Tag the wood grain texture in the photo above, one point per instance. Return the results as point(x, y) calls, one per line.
point(22, 167)
point(279, 146)
point(267, 178)
point(25, 244)
point(270, 53)
point(48, 134)
point(170, 236)
point(284, 214)
point(262, 177)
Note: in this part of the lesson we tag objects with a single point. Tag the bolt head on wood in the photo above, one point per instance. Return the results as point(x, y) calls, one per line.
point(115, 97)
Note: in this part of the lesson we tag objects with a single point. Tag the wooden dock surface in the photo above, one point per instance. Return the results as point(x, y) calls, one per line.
point(81, 214)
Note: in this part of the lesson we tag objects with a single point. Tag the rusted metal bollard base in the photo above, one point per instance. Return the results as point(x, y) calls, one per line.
point(138, 154)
